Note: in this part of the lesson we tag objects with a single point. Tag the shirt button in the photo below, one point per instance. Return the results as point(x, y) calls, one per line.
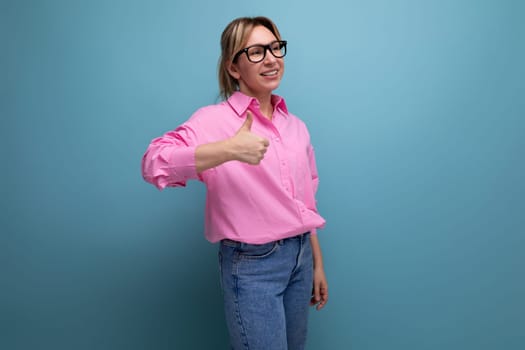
point(277, 139)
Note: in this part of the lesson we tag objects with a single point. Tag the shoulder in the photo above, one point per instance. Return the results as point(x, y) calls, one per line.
point(214, 111)
point(213, 122)
point(282, 106)
point(298, 122)
point(294, 118)
point(210, 115)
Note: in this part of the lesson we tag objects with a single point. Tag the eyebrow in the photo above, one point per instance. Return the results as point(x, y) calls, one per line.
point(263, 44)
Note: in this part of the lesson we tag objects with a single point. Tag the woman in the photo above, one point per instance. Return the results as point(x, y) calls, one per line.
point(259, 169)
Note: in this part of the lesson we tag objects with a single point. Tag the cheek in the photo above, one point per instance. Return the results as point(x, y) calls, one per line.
point(249, 73)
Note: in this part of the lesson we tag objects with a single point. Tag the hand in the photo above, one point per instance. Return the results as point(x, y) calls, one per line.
point(249, 147)
point(319, 290)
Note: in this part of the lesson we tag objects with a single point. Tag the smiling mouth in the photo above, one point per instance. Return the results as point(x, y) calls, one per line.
point(270, 73)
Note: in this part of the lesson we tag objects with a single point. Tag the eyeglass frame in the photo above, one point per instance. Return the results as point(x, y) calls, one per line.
point(267, 47)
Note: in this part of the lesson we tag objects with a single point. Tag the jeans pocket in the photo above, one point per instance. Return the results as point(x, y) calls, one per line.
point(256, 251)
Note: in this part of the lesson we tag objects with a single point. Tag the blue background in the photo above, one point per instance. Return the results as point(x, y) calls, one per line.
point(416, 111)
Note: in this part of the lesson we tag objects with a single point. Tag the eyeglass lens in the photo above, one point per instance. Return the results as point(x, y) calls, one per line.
point(257, 53)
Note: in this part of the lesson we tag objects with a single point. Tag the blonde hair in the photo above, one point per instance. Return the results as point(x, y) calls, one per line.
point(233, 39)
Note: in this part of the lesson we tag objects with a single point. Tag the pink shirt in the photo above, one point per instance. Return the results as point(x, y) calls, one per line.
point(249, 203)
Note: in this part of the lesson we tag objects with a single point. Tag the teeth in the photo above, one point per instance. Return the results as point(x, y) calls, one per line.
point(273, 72)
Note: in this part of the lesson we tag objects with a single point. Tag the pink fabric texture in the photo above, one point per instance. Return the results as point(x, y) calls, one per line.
point(249, 203)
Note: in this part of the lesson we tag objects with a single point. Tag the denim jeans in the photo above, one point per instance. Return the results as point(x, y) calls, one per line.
point(267, 290)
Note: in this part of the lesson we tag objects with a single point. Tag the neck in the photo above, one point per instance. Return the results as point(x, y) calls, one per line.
point(266, 108)
point(265, 102)
point(265, 105)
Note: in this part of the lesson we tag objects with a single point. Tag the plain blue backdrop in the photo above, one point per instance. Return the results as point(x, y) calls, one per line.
point(416, 110)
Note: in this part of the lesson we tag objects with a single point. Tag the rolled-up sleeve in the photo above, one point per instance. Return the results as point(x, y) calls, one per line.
point(313, 169)
point(315, 179)
point(169, 160)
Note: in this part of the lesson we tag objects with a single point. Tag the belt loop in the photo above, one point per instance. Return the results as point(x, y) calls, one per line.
point(305, 236)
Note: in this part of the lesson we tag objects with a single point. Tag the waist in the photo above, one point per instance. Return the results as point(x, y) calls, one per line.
point(236, 244)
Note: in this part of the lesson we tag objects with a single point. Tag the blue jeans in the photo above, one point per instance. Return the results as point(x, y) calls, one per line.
point(267, 290)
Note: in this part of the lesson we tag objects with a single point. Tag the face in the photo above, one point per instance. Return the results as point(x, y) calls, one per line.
point(258, 79)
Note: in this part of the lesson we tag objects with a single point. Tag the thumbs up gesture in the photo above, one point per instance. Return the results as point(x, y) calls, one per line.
point(249, 147)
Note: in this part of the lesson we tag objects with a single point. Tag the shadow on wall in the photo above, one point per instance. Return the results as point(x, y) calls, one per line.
point(139, 277)
point(177, 281)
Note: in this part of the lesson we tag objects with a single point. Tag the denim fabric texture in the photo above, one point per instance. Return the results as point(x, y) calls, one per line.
point(267, 290)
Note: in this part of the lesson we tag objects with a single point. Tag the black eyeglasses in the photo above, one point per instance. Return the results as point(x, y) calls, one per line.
point(257, 53)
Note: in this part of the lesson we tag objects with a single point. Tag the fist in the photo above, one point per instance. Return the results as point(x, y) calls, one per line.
point(249, 147)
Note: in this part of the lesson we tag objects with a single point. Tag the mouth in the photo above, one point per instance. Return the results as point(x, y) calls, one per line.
point(270, 73)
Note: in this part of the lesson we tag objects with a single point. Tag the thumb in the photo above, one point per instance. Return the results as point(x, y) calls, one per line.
point(247, 126)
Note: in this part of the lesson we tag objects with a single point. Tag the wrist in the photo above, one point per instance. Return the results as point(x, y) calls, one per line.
point(318, 265)
point(230, 149)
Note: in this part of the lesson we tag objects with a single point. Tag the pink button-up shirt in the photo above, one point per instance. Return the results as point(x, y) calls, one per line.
point(249, 203)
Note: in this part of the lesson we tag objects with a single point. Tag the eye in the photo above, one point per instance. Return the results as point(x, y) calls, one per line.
point(256, 50)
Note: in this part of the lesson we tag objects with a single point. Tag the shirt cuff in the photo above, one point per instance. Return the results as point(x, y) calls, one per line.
point(185, 169)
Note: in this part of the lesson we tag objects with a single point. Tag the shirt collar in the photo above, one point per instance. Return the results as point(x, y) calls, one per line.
point(240, 103)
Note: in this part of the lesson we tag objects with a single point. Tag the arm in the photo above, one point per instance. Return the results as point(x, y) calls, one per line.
point(244, 146)
point(320, 287)
point(176, 157)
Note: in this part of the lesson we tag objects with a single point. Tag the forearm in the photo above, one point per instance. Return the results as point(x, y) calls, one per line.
point(320, 287)
point(316, 252)
point(213, 154)
point(244, 146)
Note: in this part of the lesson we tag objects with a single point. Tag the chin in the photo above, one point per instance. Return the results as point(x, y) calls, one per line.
point(273, 85)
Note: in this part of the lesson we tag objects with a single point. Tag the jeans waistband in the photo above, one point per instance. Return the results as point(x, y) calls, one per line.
point(232, 243)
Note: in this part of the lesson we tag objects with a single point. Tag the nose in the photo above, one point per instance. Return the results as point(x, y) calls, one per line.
point(269, 58)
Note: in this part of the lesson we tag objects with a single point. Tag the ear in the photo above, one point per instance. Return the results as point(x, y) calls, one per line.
point(233, 70)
